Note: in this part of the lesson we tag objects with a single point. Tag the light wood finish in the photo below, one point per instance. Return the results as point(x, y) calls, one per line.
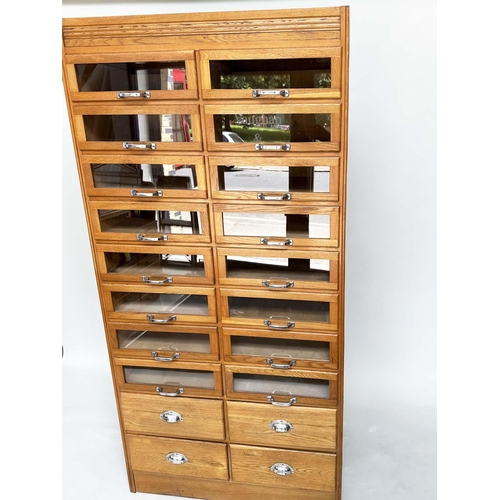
point(314, 471)
point(201, 418)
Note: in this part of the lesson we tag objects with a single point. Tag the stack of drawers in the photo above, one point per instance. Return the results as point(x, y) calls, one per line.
point(216, 216)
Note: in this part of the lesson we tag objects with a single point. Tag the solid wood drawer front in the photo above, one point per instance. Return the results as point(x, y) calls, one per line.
point(287, 427)
point(280, 226)
point(286, 74)
point(278, 270)
point(178, 457)
point(286, 468)
point(171, 342)
point(281, 388)
point(148, 304)
point(143, 177)
point(161, 266)
point(138, 128)
point(167, 380)
point(272, 127)
point(279, 311)
point(175, 417)
point(275, 179)
point(136, 77)
point(280, 350)
point(154, 222)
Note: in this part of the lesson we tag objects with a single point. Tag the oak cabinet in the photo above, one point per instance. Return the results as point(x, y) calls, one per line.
point(212, 153)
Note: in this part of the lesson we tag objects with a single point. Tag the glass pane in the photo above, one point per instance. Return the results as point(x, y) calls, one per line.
point(160, 303)
point(134, 175)
point(156, 128)
point(163, 341)
point(280, 348)
point(175, 378)
point(271, 73)
point(150, 221)
point(286, 179)
point(280, 268)
point(287, 386)
point(282, 128)
point(295, 310)
point(169, 75)
point(154, 264)
point(276, 225)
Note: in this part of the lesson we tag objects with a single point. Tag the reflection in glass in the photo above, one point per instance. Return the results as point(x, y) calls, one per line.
point(169, 75)
point(175, 378)
point(163, 341)
point(136, 302)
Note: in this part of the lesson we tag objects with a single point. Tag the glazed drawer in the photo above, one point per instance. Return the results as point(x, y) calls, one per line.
point(282, 427)
point(285, 468)
point(273, 269)
point(271, 74)
point(139, 77)
point(280, 350)
point(277, 310)
point(275, 179)
point(169, 380)
point(150, 222)
point(277, 225)
point(148, 304)
point(144, 177)
point(168, 342)
point(152, 264)
point(283, 388)
point(175, 417)
point(178, 457)
point(137, 127)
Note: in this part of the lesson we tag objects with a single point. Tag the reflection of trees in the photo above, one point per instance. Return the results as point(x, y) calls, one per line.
point(270, 81)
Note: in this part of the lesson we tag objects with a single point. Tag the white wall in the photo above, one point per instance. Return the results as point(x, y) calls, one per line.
point(390, 324)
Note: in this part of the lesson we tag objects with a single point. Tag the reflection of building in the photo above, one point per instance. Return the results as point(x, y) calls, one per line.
point(174, 128)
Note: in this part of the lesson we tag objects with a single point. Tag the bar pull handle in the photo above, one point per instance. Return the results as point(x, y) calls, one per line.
point(122, 95)
point(291, 401)
point(176, 355)
point(272, 147)
point(180, 390)
point(281, 92)
point(129, 145)
point(269, 361)
point(141, 237)
point(289, 324)
point(134, 192)
point(147, 279)
point(266, 197)
point(266, 241)
point(151, 319)
point(288, 284)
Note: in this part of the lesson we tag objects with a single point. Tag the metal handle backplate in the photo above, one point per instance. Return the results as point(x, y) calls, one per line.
point(176, 355)
point(146, 94)
point(273, 147)
point(177, 458)
point(269, 361)
point(134, 192)
point(129, 145)
point(291, 401)
point(151, 319)
point(269, 197)
point(172, 417)
point(282, 469)
point(269, 243)
point(281, 92)
point(180, 390)
point(281, 426)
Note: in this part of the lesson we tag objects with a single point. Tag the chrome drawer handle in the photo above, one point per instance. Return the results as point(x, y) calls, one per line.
point(266, 241)
point(141, 237)
point(282, 469)
point(134, 192)
point(269, 361)
point(272, 147)
point(289, 324)
point(129, 145)
point(147, 279)
point(152, 319)
point(176, 355)
point(172, 417)
point(291, 401)
point(282, 92)
point(180, 390)
point(266, 197)
point(177, 458)
point(281, 426)
point(288, 284)
point(122, 95)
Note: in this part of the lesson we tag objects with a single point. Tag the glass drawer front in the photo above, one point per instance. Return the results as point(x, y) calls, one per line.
point(160, 303)
point(171, 377)
point(163, 341)
point(280, 348)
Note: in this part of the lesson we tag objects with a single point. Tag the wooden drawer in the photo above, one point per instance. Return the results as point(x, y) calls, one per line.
point(150, 222)
point(279, 311)
point(149, 305)
point(176, 342)
point(178, 457)
point(138, 127)
point(281, 388)
point(280, 350)
point(273, 269)
point(175, 417)
point(168, 380)
point(281, 226)
point(151, 264)
point(305, 470)
point(144, 177)
point(274, 180)
point(282, 427)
